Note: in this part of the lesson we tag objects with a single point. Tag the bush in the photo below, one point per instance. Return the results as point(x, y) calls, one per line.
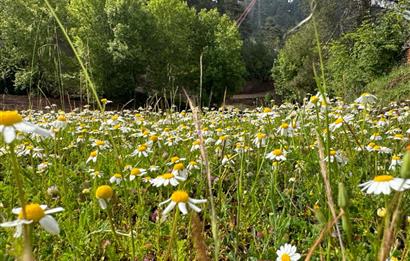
point(365, 54)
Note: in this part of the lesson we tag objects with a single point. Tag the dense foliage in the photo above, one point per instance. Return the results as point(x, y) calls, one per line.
point(126, 46)
point(371, 51)
point(359, 43)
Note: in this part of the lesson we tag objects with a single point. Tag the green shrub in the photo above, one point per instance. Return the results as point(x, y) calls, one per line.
point(369, 52)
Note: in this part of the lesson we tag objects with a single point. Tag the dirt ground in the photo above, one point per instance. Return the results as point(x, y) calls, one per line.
point(22, 102)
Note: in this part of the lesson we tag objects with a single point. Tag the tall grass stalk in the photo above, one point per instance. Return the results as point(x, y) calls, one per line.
point(204, 156)
point(28, 253)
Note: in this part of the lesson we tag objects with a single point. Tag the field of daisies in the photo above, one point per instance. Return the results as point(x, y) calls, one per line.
point(325, 180)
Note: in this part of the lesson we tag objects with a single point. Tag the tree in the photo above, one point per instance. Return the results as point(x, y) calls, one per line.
point(33, 52)
point(112, 37)
point(223, 65)
point(371, 51)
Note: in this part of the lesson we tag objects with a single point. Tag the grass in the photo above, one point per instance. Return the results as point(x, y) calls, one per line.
point(393, 87)
point(260, 204)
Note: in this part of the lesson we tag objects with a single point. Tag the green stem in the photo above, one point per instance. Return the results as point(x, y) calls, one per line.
point(168, 254)
point(111, 220)
point(28, 253)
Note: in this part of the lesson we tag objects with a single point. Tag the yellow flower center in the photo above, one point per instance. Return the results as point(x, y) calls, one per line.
point(222, 138)
point(167, 176)
point(266, 110)
point(174, 159)
point(285, 257)
point(284, 125)
point(179, 166)
point(153, 138)
point(383, 178)
point(197, 142)
point(104, 101)
point(371, 144)
point(277, 152)
point(180, 196)
point(332, 153)
point(99, 142)
point(314, 99)
point(339, 121)
point(61, 118)
point(395, 157)
point(193, 163)
point(135, 171)
point(260, 135)
point(142, 148)
point(9, 118)
point(33, 212)
point(377, 147)
point(93, 154)
point(400, 136)
point(114, 118)
point(104, 192)
point(118, 175)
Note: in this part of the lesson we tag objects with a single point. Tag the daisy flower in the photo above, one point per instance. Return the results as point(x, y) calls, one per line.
point(222, 140)
point(10, 121)
point(287, 252)
point(336, 156)
point(34, 213)
point(366, 98)
point(141, 151)
point(95, 173)
point(228, 160)
point(195, 145)
point(277, 155)
point(181, 198)
point(384, 184)
point(395, 161)
point(93, 157)
point(104, 194)
point(154, 139)
point(175, 160)
point(285, 130)
point(193, 165)
point(179, 170)
point(116, 178)
point(259, 140)
point(167, 179)
point(60, 122)
point(137, 172)
point(100, 144)
point(376, 136)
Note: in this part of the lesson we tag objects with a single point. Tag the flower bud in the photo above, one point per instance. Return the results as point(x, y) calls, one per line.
point(343, 199)
point(405, 167)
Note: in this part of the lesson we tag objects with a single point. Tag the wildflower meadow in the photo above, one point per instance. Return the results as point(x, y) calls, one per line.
point(324, 180)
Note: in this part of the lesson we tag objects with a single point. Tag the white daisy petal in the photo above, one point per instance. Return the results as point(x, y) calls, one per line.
point(169, 208)
point(19, 231)
point(53, 210)
point(103, 203)
point(9, 134)
point(182, 208)
point(194, 207)
point(50, 224)
point(11, 223)
point(24, 127)
point(16, 211)
point(197, 201)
